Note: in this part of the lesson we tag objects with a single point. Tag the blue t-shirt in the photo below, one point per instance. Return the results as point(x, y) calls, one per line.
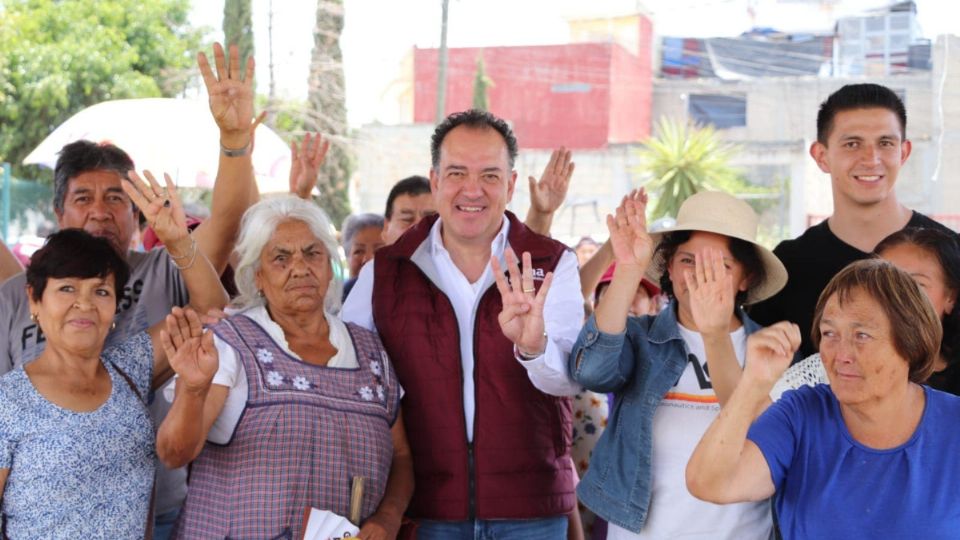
point(79, 474)
point(830, 486)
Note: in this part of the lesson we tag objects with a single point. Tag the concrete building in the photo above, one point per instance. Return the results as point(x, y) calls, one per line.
point(601, 90)
point(779, 125)
point(569, 95)
point(592, 95)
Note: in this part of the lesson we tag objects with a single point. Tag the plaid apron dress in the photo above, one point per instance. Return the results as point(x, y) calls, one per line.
point(305, 432)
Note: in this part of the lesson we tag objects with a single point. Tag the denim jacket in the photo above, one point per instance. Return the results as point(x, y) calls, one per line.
point(640, 366)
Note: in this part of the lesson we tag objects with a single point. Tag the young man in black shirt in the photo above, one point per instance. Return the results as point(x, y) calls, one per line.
point(861, 143)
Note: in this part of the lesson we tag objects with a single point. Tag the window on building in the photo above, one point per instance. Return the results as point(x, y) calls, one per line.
point(571, 88)
point(721, 111)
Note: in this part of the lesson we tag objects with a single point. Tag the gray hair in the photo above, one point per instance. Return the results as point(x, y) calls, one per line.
point(257, 228)
point(356, 223)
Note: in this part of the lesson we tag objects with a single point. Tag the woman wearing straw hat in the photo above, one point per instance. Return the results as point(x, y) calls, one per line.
point(672, 372)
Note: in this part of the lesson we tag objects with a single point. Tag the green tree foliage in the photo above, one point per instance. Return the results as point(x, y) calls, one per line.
point(60, 56)
point(328, 108)
point(683, 159)
point(481, 84)
point(287, 117)
point(238, 25)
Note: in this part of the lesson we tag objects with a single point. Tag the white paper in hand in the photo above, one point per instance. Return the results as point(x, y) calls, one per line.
point(325, 525)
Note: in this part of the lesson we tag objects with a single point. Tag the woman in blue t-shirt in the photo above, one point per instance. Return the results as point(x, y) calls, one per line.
point(862, 457)
point(932, 258)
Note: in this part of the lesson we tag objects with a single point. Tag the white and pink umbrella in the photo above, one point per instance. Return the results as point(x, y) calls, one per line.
point(177, 136)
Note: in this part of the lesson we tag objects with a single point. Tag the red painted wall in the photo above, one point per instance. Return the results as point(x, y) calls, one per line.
point(581, 95)
point(631, 90)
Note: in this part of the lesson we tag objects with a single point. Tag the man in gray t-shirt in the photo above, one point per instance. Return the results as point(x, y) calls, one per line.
point(88, 195)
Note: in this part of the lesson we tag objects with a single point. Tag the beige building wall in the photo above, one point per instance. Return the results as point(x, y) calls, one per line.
point(386, 154)
point(781, 126)
point(623, 30)
point(944, 134)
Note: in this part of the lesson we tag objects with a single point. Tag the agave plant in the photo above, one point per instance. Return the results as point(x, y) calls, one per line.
point(683, 159)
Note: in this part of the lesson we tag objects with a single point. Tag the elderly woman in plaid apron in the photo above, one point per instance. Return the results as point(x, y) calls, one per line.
point(285, 405)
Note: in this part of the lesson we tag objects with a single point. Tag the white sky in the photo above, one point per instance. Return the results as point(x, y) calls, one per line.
point(379, 33)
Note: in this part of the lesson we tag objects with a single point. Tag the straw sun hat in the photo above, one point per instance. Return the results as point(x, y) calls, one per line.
point(721, 213)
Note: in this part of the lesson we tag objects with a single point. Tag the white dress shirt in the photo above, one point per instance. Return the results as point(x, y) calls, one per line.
point(562, 312)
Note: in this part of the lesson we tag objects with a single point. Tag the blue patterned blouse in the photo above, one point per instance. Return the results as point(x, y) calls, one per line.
point(79, 475)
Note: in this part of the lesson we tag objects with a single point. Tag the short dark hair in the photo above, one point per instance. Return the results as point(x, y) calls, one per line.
point(744, 252)
point(411, 185)
point(476, 119)
point(946, 249)
point(859, 96)
point(75, 253)
point(914, 327)
point(83, 156)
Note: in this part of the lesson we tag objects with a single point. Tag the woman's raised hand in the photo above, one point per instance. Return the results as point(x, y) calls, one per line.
point(547, 194)
point(305, 163)
point(161, 207)
point(189, 350)
point(710, 287)
point(631, 244)
point(231, 94)
point(770, 351)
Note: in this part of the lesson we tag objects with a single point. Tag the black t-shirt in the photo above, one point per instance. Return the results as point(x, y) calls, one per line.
point(812, 259)
point(947, 380)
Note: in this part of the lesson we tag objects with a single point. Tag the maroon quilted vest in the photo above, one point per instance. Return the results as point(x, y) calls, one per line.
point(519, 464)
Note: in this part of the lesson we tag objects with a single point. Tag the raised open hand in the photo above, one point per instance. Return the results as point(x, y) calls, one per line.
point(632, 245)
point(305, 163)
point(189, 349)
point(522, 316)
point(161, 207)
point(547, 194)
point(231, 95)
point(710, 287)
point(770, 351)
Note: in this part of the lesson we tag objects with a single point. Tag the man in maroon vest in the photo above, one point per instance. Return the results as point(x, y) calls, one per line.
point(483, 369)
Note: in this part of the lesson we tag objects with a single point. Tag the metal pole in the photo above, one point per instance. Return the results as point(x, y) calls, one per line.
point(442, 68)
point(7, 188)
point(272, 93)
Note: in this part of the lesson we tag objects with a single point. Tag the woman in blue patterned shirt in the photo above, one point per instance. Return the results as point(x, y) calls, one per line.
point(77, 448)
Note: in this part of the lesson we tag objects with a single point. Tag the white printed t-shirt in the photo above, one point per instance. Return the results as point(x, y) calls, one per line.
point(682, 418)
